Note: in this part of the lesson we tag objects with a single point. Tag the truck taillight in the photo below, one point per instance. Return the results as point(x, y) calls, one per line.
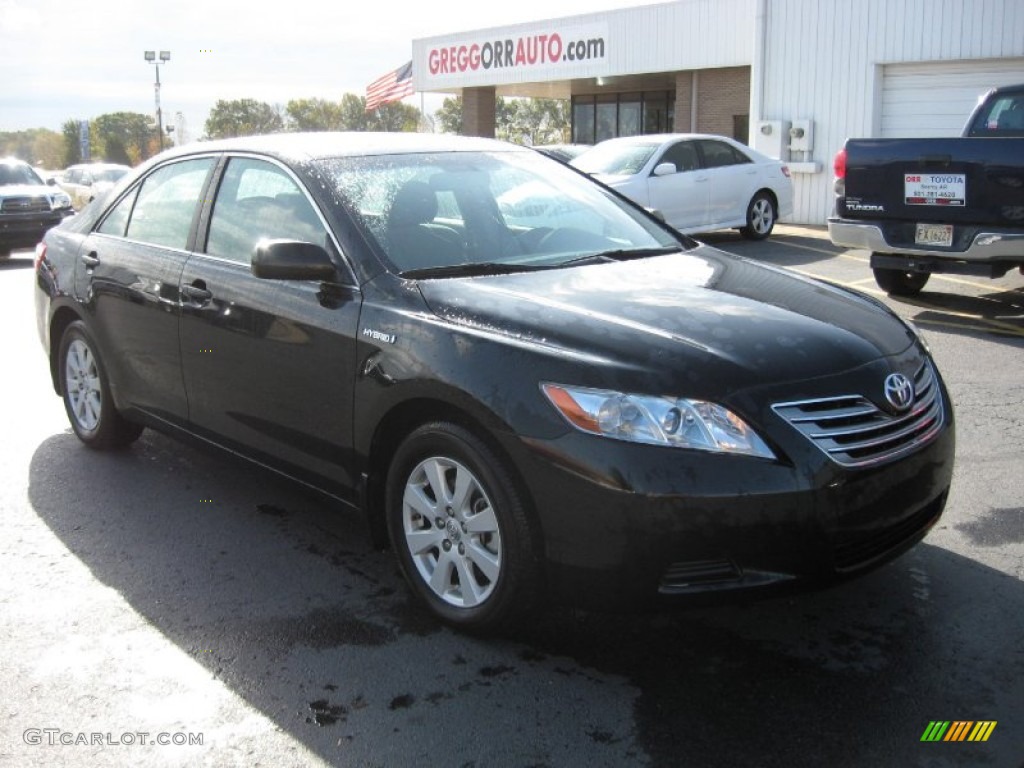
point(839, 164)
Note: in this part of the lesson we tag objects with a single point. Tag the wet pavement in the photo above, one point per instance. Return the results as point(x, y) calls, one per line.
point(173, 591)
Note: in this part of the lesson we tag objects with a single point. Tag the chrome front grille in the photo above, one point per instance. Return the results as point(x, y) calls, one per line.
point(37, 204)
point(854, 432)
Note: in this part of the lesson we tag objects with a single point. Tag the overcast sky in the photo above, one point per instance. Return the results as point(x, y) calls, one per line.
point(82, 58)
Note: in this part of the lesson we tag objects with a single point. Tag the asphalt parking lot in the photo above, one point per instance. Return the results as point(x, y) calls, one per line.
point(183, 595)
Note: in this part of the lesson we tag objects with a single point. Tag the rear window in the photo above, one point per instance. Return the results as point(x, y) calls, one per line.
point(1002, 116)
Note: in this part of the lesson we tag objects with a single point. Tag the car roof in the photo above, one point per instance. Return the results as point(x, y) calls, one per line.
point(312, 146)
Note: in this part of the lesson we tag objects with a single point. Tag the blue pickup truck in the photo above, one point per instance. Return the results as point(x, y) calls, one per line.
point(924, 206)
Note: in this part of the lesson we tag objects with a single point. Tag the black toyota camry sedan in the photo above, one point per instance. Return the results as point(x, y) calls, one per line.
point(534, 388)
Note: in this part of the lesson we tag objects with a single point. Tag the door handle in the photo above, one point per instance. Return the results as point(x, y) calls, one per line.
point(90, 259)
point(197, 291)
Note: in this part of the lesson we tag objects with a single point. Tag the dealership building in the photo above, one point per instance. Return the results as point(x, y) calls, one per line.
point(791, 78)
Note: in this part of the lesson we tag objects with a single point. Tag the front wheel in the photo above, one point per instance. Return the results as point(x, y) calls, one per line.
point(761, 216)
point(86, 392)
point(900, 283)
point(461, 529)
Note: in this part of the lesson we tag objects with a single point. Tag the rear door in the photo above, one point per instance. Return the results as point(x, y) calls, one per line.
point(127, 276)
point(733, 181)
point(269, 365)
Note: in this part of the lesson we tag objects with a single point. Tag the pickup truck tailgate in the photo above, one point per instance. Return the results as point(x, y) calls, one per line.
point(952, 181)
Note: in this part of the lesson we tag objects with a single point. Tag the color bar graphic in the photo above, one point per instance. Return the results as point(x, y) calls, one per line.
point(959, 730)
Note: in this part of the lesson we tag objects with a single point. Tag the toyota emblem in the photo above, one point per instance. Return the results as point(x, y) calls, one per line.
point(899, 391)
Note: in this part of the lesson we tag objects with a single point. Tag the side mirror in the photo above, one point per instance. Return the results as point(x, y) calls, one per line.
point(291, 260)
point(664, 169)
point(51, 182)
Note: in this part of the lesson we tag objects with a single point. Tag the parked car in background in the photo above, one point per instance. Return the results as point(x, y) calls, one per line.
point(88, 181)
point(698, 182)
point(562, 152)
point(937, 205)
point(28, 206)
point(575, 404)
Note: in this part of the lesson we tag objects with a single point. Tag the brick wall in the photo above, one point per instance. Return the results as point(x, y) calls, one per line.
point(478, 112)
point(721, 94)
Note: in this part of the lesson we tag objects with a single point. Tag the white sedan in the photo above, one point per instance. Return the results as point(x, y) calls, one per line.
point(698, 182)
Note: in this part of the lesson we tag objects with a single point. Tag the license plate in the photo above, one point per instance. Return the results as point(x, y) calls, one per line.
point(935, 189)
point(934, 234)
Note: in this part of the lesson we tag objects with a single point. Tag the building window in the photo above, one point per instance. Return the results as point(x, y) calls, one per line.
point(609, 115)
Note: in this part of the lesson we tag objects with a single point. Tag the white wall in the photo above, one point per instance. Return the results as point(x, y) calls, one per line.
point(667, 37)
point(824, 60)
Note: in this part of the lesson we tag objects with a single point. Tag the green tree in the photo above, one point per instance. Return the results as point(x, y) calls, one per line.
point(37, 146)
point(354, 116)
point(314, 115)
point(242, 117)
point(449, 116)
point(122, 137)
point(395, 116)
point(539, 121)
point(72, 150)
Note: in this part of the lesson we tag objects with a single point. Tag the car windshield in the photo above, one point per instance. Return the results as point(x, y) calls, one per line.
point(488, 211)
point(615, 159)
point(16, 173)
point(108, 174)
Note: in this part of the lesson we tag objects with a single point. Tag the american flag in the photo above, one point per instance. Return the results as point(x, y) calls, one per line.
point(394, 86)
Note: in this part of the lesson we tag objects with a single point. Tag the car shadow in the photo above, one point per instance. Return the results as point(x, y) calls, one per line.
point(315, 629)
point(998, 314)
point(781, 249)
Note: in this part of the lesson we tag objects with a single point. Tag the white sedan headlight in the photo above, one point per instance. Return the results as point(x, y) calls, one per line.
point(672, 421)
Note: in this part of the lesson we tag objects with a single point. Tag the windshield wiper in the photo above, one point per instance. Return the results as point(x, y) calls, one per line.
point(625, 254)
point(471, 270)
point(482, 268)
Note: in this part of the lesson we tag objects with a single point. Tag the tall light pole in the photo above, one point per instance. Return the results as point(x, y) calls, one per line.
point(151, 57)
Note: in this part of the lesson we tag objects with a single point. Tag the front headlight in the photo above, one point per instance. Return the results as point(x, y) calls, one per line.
point(60, 200)
point(677, 422)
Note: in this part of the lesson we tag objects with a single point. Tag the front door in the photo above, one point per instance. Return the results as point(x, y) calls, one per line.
point(269, 364)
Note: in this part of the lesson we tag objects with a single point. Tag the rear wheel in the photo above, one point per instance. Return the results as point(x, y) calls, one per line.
point(460, 529)
point(86, 392)
point(900, 283)
point(761, 216)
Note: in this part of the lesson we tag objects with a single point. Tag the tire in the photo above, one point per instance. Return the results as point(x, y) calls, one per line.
point(86, 393)
point(461, 530)
point(899, 283)
point(761, 215)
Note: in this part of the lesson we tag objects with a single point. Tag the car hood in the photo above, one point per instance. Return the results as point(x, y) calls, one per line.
point(26, 190)
point(703, 316)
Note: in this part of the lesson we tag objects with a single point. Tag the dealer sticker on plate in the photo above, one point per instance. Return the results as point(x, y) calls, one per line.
point(935, 189)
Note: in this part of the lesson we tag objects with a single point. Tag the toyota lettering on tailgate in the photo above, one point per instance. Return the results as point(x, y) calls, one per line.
point(935, 189)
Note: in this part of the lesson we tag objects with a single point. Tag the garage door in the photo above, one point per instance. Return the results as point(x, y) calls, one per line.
point(935, 98)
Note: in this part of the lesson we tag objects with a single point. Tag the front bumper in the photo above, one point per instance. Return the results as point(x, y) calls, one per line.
point(629, 525)
point(24, 230)
point(971, 243)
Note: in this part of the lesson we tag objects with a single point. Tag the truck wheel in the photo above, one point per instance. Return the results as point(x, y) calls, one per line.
point(760, 217)
point(461, 529)
point(900, 283)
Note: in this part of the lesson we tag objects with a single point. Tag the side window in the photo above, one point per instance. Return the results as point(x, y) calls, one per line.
point(73, 176)
point(116, 221)
point(166, 203)
point(257, 200)
point(683, 154)
point(718, 154)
